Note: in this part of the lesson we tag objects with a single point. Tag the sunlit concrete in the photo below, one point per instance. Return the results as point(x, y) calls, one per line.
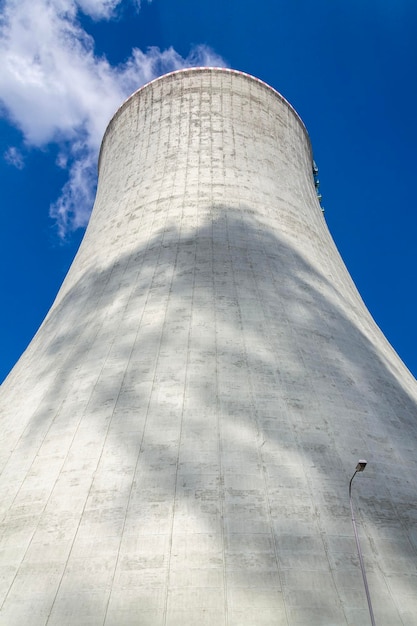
point(177, 440)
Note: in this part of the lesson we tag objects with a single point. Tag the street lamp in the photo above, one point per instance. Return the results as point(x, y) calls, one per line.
point(359, 468)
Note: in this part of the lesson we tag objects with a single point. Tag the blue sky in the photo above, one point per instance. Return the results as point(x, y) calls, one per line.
point(349, 69)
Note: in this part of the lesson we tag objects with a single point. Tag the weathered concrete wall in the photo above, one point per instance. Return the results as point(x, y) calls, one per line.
point(178, 439)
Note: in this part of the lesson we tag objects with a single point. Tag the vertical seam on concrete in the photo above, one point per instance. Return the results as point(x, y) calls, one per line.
point(306, 474)
point(63, 462)
point(143, 431)
point(135, 472)
point(271, 525)
point(178, 245)
point(42, 399)
point(253, 407)
point(217, 405)
point(97, 464)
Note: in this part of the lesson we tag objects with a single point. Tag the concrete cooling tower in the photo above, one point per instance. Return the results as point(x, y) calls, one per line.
point(177, 440)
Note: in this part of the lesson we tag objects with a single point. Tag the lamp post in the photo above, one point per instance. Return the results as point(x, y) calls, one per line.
point(359, 468)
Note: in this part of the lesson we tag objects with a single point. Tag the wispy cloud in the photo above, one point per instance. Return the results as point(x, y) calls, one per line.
point(14, 157)
point(55, 89)
point(101, 9)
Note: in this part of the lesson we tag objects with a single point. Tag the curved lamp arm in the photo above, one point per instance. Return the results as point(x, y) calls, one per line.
point(359, 468)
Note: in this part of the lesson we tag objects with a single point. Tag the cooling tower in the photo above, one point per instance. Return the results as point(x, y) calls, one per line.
point(179, 436)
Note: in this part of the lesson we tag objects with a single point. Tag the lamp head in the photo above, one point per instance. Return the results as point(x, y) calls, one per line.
point(361, 465)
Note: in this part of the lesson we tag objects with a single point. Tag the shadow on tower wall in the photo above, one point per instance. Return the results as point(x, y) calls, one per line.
point(199, 408)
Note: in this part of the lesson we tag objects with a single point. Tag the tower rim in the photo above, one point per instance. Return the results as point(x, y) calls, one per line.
point(203, 69)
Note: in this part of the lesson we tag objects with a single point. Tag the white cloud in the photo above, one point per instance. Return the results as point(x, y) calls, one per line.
point(56, 89)
point(50, 81)
point(73, 207)
point(14, 157)
point(102, 9)
point(98, 9)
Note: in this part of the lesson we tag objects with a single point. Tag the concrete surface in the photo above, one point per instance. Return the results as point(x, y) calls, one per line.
point(178, 438)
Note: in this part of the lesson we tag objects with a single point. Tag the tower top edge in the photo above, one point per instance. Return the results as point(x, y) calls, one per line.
point(204, 69)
